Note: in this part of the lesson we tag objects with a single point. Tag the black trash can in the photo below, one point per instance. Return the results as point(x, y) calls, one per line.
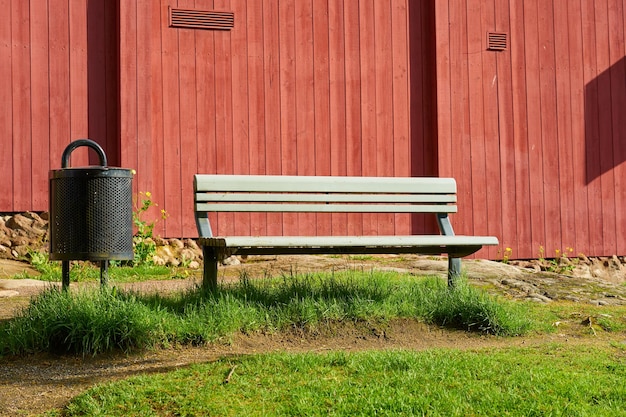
point(90, 212)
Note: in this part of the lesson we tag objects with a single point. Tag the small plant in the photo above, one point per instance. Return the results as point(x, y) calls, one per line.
point(40, 261)
point(560, 264)
point(143, 240)
point(507, 255)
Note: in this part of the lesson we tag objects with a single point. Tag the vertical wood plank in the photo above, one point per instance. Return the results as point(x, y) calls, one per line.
point(368, 101)
point(6, 112)
point(136, 127)
point(459, 117)
point(533, 88)
point(189, 117)
point(224, 114)
point(272, 81)
point(490, 86)
point(59, 81)
point(476, 118)
point(171, 125)
point(400, 99)
point(205, 96)
point(592, 139)
point(577, 94)
point(240, 113)
point(154, 19)
point(617, 50)
point(288, 127)
point(111, 51)
point(565, 139)
point(605, 130)
point(384, 102)
point(40, 105)
point(506, 123)
point(135, 81)
point(21, 101)
point(432, 141)
point(256, 98)
point(337, 85)
point(206, 105)
point(549, 145)
point(321, 92)
point(305, 103)
point(97, 73)
point(443, 64)
point(523, 220)
point(353, 102)
point(79, 94)
point(430, 155)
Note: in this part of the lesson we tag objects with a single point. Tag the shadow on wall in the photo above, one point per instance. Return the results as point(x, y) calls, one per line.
point(605, 121)
point(423, 105)
point(103, 78)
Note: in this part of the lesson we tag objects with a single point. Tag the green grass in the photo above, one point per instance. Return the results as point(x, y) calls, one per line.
point(88, 272)
point(535, 381)
point(95, 321)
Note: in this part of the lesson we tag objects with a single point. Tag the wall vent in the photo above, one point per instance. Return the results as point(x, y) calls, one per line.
point(201, 19)
point(496, 41)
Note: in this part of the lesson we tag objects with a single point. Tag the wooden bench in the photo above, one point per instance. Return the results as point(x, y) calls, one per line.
point(325, 194)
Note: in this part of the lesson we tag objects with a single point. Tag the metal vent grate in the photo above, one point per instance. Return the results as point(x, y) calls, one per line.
point(496, 41)
point(201, 19)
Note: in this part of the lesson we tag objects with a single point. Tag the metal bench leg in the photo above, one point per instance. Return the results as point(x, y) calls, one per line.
point(454, 271)
point(209, 276)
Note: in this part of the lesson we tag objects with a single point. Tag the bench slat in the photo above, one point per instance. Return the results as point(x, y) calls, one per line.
point(329, 241)
point(290, 183)
point(330, 198)
point(323, 208)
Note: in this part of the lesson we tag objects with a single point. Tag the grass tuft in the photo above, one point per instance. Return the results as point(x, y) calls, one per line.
point(96, 321)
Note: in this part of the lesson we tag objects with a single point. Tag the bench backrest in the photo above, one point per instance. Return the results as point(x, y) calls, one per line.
point(327, 194)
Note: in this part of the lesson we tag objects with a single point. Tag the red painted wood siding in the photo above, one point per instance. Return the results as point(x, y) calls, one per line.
point(53, 68)
point(296, 87)
point(534, 134)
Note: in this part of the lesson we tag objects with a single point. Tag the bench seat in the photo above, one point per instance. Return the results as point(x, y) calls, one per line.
point(456, 246)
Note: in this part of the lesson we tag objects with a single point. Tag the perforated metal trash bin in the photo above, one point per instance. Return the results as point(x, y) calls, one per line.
point(90, 212)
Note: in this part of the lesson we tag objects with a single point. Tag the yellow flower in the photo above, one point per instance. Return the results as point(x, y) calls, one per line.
point(148, 194)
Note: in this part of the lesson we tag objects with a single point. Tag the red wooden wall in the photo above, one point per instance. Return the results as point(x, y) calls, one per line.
point(535, 134)
point(532, 134)
point(58, 80)
point(296, 87)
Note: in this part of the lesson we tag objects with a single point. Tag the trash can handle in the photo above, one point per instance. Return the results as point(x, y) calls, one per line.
point(65, 159)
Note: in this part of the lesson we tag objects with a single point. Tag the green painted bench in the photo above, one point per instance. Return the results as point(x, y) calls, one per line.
point(326, 194)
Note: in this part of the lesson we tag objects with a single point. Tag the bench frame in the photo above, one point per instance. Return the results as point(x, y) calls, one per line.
point(329, 194)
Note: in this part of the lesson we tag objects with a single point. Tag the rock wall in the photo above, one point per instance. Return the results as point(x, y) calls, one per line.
point(25, 232)
point(22, 233)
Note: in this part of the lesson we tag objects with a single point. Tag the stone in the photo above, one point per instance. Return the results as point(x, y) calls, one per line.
point(19, 222)
point(8, 293)
point(231, 260)
point(177, 243)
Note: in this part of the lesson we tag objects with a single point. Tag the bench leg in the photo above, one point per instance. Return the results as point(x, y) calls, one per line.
point(209, 275)
point(454, 271)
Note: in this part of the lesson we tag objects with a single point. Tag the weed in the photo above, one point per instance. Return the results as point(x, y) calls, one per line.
point(143, 240)
point(560, 264)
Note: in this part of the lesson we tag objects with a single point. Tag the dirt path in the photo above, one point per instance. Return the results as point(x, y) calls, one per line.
point(40, 382)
